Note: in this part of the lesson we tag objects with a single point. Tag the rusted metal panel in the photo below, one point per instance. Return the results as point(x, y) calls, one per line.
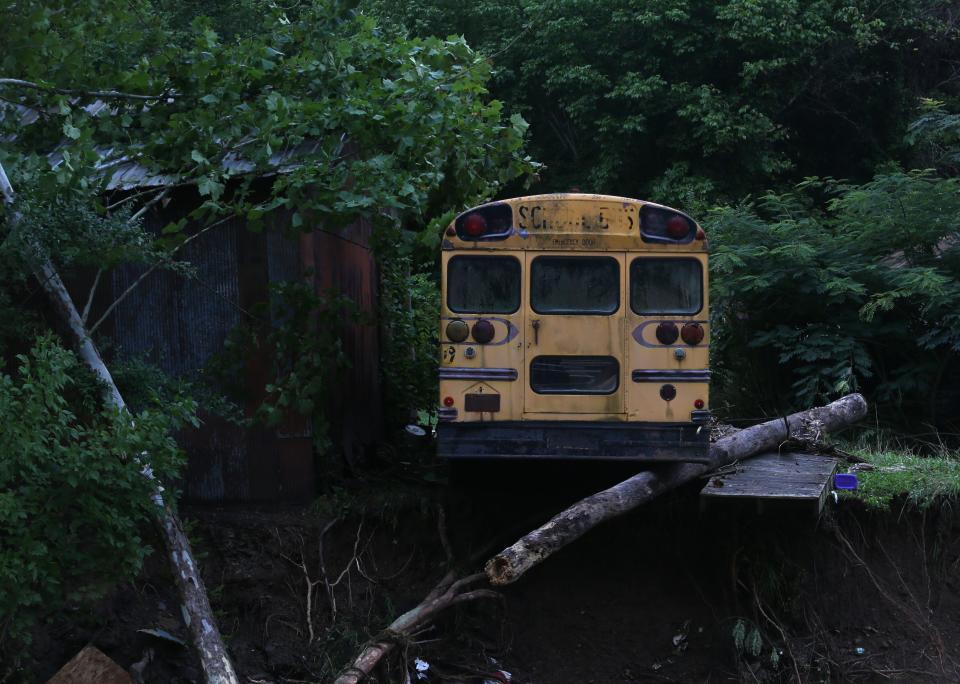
point(348, 267)
point(178, 322)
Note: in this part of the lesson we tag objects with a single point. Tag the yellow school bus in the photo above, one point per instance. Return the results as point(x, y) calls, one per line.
point(574, 326)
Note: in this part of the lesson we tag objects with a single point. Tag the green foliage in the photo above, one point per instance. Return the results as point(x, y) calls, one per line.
point(72, 496)
point(832, 288)
point(409, 303)
point(300, 336)
point(747, 640)
point(363, 124)
point(143, 384)
point(935, 136)
point(313, 112)
point(740, 93)
point(921, 480)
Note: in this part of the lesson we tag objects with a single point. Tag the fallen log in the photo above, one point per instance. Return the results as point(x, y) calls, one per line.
point(808, 426)
point(194, 605)
point(448, 592)
point(569, 525)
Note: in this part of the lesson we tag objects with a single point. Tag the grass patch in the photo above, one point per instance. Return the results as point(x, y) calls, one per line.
point(923, 480)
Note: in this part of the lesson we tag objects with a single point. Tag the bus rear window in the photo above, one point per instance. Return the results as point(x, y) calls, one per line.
point(666, 286)
point(483, 284)
point(574, 375)
point(575, 285)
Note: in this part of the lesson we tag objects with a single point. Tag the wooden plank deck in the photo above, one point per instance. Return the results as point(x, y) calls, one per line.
point(798, 477)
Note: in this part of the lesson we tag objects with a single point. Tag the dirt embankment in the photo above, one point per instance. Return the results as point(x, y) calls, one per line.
point(667, 593)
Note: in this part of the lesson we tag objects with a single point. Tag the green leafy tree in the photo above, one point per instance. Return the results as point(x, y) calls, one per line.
point(672, 98)
point(313, 112)
point(834, 287)
point(72, 497)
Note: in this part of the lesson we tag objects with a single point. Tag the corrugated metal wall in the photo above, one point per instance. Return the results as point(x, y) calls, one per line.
point(179, 322)
point(345, 264)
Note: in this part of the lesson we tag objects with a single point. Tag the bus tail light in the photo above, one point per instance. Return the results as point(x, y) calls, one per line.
point(677, 227)
point(475, 225)
point(667, 332)
point(659, 224)
point(668, 392)
point(489, 222)
point(692, 333)
point(457, 330)
point(483, 331)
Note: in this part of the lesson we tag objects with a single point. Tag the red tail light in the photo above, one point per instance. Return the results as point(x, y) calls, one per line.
point(475, 225)
point(692, 333)
point(677, 227)
point(698, 404)
point(667, 332)
point(660, 224)
point(489, 222)
point(448, 401)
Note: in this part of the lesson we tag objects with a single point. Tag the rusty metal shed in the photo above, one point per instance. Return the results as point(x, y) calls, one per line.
point(180, 322)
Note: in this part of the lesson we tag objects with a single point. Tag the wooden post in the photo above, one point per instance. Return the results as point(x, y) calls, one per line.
point(195, 607)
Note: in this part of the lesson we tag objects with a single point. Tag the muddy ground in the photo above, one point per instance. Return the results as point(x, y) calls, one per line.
point(668, 593)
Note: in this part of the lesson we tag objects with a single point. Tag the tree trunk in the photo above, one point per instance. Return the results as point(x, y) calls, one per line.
point(195, 607)
point(449, 592)
point(508, 565)
point(586, 514)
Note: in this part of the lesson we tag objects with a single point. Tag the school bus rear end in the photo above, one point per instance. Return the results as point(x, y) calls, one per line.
point(574, 327)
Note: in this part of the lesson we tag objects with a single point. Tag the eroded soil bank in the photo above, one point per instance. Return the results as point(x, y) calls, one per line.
point(666, 593)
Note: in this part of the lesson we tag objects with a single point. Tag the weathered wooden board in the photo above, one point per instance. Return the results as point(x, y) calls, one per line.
point(795, 476)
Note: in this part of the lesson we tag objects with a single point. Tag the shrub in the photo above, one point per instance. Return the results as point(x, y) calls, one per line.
point(72, 499)
point(409, 306)
point(833, 288)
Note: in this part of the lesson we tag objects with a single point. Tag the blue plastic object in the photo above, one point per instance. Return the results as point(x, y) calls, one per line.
point(844, 481)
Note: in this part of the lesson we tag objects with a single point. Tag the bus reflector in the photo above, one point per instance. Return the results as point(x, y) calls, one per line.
point(667, 332)
point(692, 333)
point(448, 401)
point(698, 404)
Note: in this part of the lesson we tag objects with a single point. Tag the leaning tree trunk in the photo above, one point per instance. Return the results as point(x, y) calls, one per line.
point(587, 513)
point(508, 565)
point(195, 607)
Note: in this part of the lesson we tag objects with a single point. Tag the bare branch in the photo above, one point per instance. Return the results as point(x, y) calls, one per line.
point(154, 267)
point(93, 290)
point(116, 94)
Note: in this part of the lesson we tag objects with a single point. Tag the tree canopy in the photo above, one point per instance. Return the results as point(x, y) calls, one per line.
point(695, 100)
point(348, 120)
point(106, 106)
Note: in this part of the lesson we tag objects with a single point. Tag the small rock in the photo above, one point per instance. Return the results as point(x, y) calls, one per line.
point(91, 666)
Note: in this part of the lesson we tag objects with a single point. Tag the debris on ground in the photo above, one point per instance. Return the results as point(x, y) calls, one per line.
point(91, 666)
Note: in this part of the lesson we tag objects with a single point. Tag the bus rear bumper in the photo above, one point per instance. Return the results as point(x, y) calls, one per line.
point(580, 440)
